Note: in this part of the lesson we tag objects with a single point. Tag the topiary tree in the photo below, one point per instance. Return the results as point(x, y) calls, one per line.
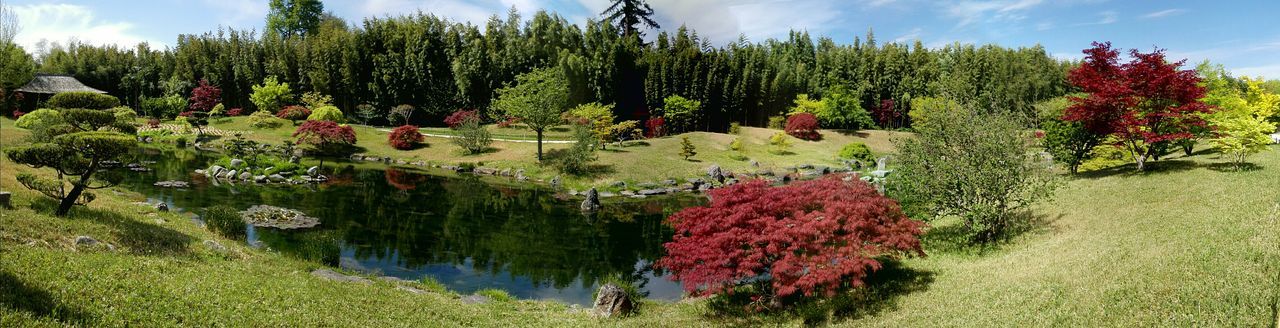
point(803, 126)
point(264, 120)
point(315, 100)
point(83, 99)
point(204, 97)
point(537, 99)
point(365, 113)
point(38, 118)
point(326, 137)
point(981, 168)
point(857, 151)
point(327, 113)
point(686, 148)
point(124, 114)
point(804, 239)
point(405, 137)
point(271, 95)
point(472, 138)
point(77, 151)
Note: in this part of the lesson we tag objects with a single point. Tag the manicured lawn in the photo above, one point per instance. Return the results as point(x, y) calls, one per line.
point(1189, 244)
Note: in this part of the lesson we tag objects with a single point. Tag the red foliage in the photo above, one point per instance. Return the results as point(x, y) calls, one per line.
point(294, 113)
point(403, 180)
point(1143, 102)
point(460, 116)
point(325, 134)
point(805, 238)
point(235, 112)
point(803, 126)
point(405, 137)
point(887, 113)
point(204, 97)
point(507, 122)
point(187, 113)
point(153, 123)
point(17, 113)
point(655, 127)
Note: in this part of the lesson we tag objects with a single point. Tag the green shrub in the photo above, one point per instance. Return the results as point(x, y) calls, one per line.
point(169, 106)
point(327, 113)
point(777, 122)
point(735, 128)
point(218, 110)
point(124, 114)
point(264, 120)
point(577, 159)
point(39, 118)
point(736, 145)
point(271, 95)
point(781, 145)
point(858, 151)
point(184, 123)
point(86, 100)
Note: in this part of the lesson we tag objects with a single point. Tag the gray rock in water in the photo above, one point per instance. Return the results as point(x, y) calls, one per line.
point(592, 203)
point(520, 175)
point(277, 178)
point(236, 163)
point(162, 207)
point(245, 176)
point(6, 199)
point(85, 241)
point(651, 192)
point(475, 299)
point(356, 157)
point(214, 170)
point(612, 301)
point(260, 178)
point(231, 174)
point(171, 184)
point(313, 171)
point(334, 276)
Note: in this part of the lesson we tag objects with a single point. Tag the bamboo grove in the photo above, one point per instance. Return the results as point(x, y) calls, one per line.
point(441, 66)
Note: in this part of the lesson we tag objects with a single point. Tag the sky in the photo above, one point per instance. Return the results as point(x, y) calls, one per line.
point(1241, 35)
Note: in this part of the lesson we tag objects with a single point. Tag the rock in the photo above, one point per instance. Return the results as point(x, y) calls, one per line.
point(260, 179)
point(334, 276)
point(313, 171)
point(555, 182)
point(215, 246)
point(162, 207)
point(612, 301)
point(85, 241)
point(214, 170)
point(6, 199)
point(520, 175)
point(231, 174)
point(246, 176)
point(277, 217)
point(295, 159)
point(618, 184)
point(754, 163)
point(651, 192)
point(669, 182)
point(356, 157)
point(805, 166)
point(171, 184)
point(505, 172)
point(277, 178)
point(237, 163)
point(484, 170)
point(607, 194)
point(628, 193)
point(475, 299)
point(401, 162)
point(714, 170)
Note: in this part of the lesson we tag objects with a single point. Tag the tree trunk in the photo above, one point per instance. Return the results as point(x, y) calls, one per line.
point(539, 131)
point(1142, 161)
point(69, 200)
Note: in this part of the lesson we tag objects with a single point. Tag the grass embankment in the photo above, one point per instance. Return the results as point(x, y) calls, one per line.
point(1189, 244)
point(651, 160)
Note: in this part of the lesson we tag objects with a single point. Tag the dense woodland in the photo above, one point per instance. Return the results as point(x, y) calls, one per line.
point(441, 66)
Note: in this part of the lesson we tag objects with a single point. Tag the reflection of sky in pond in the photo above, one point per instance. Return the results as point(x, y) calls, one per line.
point(466, 233)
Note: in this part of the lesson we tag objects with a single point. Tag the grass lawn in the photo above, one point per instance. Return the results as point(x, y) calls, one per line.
point(1191, 243)
point(649, 161)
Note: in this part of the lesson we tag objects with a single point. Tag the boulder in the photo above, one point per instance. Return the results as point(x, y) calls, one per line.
point(612, 301)
point(356, 157)
point(6, 199)
point(236, 163)
point(295, 159)
point(277, 178)
point(714, 170)
point(593, 201)
point(231, 174)
point(618, 184)
point(162, 207)
point(754, 163)
point(651, 192)
point(327, 274)
point(215, 246)
point(520, 175)
point(85, 241)
point(555, 182)
point(313, 171)
point(245, 176)
point(669, 182)
point(260, 179)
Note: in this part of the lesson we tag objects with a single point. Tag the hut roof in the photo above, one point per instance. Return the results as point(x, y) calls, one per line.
point(54, 83)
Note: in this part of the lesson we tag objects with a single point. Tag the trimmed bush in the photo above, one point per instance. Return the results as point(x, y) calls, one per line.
point(124, 114)
point(803, 126)
point(39, 118)
point(294, 113)
point(86, 100)
point(168, 106)
point(264, 120)
point(218, 110)
point(405, 137)
point(777, 122)
point(327, 113)
point(858, 151)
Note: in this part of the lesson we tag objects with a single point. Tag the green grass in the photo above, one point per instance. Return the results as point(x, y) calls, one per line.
point(1191, 243)
point(652, 160)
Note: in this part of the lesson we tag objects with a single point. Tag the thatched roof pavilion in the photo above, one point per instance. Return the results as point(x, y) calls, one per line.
point(54, 84)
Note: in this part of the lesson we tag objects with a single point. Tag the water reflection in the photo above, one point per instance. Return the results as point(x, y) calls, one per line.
point(463, 232)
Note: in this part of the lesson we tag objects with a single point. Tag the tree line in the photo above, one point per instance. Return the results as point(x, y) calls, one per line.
point(439, 66)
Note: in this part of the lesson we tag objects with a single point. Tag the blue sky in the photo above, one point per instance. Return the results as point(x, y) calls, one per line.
point(1243, 35)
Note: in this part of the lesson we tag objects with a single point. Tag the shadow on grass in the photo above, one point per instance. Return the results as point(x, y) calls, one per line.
point(486, 150)
point(882, 290)
point(1233, 167)
point(854, 133)
point(17, 295)
point(1152, 168)
point(955, 238)
point(137, 237)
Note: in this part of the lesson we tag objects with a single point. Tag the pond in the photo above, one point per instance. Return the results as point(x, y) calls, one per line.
point(461, 231)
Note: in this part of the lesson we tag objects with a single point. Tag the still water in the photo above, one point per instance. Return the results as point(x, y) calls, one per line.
point(463, 232)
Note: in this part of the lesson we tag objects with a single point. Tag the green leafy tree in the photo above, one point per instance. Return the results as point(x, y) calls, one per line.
point(77, 153)
point(599, 118)
point(842, 109)
point(365, 113)
point(327, 113)
point(538, 99)
point(1070, 143)
point(294, 17)
point(681, 114)
point(687, 149)
point(979, 167)
point(271, 95)
point(1241, 121)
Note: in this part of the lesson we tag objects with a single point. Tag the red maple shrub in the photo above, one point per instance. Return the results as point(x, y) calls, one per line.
point(806, 238)
point(1147, 103)
point(189, 113)
point(655, 127)
point(17, 113)
point(326, 137)
point(405, 137)
point(803, 126)
point(235, 112)
point(506, 122)
point(887, 114)
point(153, 123)
point(456, 119)
point(403, 180)
point(204, 97)
point(294, 113)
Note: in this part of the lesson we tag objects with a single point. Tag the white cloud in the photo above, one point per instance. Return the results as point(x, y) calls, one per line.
point(455, 10)
point(724, 20)
point(1164, 13)
point(970, 12)
point(910, 36)
point(63, 22)
point(1266, 71)
point(1104, 18)
point(239, 12)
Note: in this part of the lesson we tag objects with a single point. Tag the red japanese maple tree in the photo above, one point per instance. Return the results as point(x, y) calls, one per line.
point(326, 136)
point(807, 238)
point(803, 126)
point(405, 137)
point(1144, 103)
point(204, 97)
point(460, 116)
